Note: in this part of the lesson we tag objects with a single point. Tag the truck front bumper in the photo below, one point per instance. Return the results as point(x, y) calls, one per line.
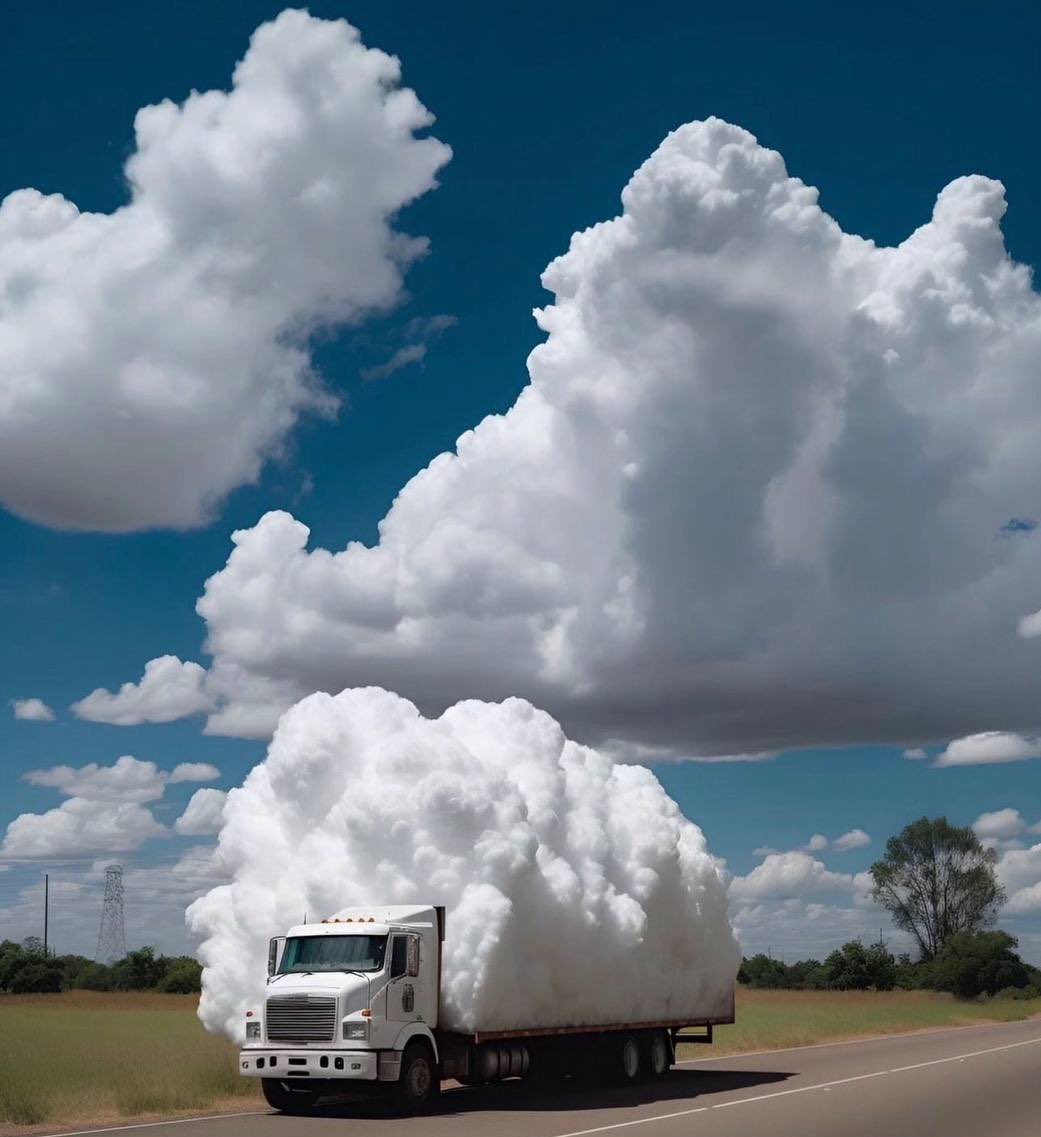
point(357, 1065)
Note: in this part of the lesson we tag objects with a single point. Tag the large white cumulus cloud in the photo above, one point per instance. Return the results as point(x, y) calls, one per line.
point(576, 890)
point(152, 358)
point(756, 494)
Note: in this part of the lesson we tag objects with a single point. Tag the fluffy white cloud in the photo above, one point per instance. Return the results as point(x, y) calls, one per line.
point(720, 501)
point(854, 839)
point(992, 746)
point(32, 710)
point(168, 690)
point(127, 780)
point(203, 814)
point(784, 875)
point(999, 825)
point(105, 812)
point(80, 827)
point(152, 358)
point(816, 844)
point(193, 772)
point(1019, 870)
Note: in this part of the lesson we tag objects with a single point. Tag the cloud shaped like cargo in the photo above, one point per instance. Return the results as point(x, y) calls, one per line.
point(152, 359)
point(555, 863)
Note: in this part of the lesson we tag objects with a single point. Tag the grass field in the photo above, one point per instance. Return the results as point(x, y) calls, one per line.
point(768, 1020)
point(91, 1059)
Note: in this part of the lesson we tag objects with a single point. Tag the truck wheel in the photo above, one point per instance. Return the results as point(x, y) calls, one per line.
point(288, 1098)
point(420, 1082)
point(627, 1059)
point(657, 1055)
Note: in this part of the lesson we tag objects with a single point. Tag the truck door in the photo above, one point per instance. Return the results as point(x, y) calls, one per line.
point(404, 992)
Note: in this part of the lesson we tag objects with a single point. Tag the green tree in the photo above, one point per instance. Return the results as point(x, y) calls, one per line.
point(183, 977)
point(937, 880)
point(854, 967)
point(978, 963)
point(138, 970)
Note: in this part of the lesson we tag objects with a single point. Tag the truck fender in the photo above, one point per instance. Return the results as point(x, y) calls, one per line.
point(416, 1030)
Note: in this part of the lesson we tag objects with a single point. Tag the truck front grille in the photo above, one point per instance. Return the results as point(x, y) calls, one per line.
point(301, 1018)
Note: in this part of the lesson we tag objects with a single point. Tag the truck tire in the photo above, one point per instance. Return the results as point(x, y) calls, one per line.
point(419, 1084)
point(657, 1057)
point(287, 1097)
point(628, 1061)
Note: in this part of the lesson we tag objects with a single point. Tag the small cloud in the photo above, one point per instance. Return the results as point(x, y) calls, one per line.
point(989, 747)
point(1030, 626)
point(816, 844)
point(915, 754)
point(168, 690)
point(80, 828)
point(765, 851)
point(1000, 825)
point(419, 332)
point(126, 780)
point(32, 710)
point(410, 353)
point(429, 327)
point(193, 772)
point(203, 814)
point(854, 839)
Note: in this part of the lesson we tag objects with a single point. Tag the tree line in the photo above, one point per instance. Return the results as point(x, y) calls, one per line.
point(27, 969)
point(968, 964)
point(939, 885)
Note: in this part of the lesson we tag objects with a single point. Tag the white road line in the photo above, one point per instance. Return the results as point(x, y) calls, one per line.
point(849, 1041)
point(637, 1121)
point(962, 1057)
point(802, 1089)
point(150, 1124)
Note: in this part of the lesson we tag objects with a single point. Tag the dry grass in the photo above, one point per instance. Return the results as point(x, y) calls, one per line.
point(771, 1020)
point(86, 1056)
point(83, 1058)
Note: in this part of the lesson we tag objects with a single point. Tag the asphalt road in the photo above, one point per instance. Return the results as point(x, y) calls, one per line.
point(974, 1082)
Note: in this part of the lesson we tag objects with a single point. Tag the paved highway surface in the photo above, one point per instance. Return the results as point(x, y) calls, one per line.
point(974, 1082)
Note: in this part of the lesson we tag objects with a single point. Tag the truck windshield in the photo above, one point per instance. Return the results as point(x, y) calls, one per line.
point(333, 953)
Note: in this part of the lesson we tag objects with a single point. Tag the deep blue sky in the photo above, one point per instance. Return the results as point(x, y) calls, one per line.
point(549, 109)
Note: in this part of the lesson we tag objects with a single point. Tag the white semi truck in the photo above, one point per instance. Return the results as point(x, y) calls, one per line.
point(353, 1004)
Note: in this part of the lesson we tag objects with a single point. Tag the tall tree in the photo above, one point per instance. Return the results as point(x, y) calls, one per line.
point(936, 880)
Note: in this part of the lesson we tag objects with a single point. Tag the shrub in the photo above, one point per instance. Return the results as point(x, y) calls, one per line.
point(978, 963)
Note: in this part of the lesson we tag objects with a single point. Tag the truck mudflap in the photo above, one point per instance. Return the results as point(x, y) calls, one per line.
point(356, 1065)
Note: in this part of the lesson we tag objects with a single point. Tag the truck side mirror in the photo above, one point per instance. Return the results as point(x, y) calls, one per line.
point(275, 947)
point(413, 957)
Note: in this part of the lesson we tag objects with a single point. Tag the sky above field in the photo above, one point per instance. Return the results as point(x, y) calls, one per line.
point(760, 511)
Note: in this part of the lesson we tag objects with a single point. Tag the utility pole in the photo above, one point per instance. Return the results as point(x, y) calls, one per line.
point(46, 909)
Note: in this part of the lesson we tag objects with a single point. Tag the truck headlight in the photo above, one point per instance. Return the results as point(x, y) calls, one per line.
point(252, 1031)
point(356, 1030)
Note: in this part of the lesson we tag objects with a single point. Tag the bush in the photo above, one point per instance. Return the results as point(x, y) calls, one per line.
point(1024, 993)
point(978, 963)
point(854, 967)
point(183, 978)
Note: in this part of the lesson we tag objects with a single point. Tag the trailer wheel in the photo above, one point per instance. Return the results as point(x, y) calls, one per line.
point(287, 1097)
point(658, 1055)
point(627, 1061)
point(420, 1082)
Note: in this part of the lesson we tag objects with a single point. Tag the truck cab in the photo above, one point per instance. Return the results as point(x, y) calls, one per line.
point(352, 998)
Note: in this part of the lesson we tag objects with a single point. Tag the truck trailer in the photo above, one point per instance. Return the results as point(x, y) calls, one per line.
point(353, 1005)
